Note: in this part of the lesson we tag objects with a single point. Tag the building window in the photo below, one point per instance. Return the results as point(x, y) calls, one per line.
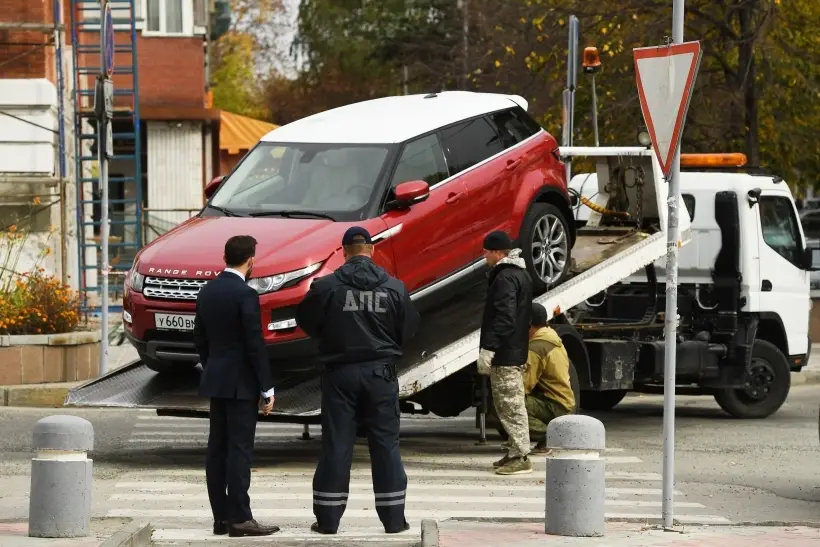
point(168, 16)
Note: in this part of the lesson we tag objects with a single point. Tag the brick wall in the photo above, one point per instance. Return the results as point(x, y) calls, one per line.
point(171, 71)
point(31, 60)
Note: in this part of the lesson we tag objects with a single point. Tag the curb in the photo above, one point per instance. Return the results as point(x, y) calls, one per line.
point(651, 522)
point(429, 533)
point(806, 377)
point(133, 534)
point(35, 395)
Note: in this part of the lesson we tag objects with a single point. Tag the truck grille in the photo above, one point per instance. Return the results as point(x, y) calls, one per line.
point(172, 289)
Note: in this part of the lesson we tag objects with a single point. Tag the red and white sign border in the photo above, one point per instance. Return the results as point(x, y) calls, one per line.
point(668, 51)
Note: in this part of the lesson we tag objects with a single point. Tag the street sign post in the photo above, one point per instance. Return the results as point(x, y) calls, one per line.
point(666, 77)
point(105, 151)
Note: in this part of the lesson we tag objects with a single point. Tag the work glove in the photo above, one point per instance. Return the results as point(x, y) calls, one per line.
point(485, 361)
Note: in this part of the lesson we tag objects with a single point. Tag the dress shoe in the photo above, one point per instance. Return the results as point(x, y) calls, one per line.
point(316, 528)
point(402, 529)
point(220, 527)
point(251, 528)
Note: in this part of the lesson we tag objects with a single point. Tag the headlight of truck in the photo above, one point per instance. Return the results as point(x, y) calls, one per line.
point(272, 283)
point(134, 280)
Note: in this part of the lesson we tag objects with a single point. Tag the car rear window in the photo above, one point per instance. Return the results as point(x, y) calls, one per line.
point(469, 143)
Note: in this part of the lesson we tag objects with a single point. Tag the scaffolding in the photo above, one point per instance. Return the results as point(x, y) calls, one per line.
point(125, 182)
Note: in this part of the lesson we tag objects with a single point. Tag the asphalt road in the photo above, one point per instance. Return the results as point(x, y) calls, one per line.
point(745, 471)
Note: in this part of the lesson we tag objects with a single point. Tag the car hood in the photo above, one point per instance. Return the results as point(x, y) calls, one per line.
point(195, 248)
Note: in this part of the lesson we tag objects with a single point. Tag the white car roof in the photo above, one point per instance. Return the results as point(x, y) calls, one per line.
point(391, 119)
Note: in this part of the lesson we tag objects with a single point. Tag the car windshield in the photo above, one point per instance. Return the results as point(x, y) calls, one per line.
point(337, 180)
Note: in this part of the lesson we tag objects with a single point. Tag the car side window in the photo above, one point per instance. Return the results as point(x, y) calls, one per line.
point(689, 201)
point(510, 127)
point(421, 159)
point(469, 143)
point(779, 226)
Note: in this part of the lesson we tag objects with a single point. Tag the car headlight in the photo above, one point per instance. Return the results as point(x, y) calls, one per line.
point(273, 283)
point(134, 280)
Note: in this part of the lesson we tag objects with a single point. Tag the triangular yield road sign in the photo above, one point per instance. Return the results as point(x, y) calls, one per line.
point(666, 77)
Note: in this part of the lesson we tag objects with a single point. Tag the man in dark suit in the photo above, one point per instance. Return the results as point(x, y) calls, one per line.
point(228, 336)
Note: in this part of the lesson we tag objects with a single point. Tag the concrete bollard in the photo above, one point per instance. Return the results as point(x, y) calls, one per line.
point(576, 477)
point(60, 497)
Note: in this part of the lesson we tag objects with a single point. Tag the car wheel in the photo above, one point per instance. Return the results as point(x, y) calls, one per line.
point(545, 245)
point(767, 386)
point(602, 400)
point(166, 367)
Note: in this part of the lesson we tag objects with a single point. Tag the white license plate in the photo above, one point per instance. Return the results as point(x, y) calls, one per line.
point(174, 321)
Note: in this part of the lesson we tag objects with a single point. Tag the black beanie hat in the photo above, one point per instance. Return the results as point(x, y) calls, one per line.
point(497, 241)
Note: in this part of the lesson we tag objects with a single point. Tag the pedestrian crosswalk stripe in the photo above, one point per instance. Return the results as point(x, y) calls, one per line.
point(347, 535)
point(428, 473)
point(442, 514)
point(305, 498)
point(499, 490)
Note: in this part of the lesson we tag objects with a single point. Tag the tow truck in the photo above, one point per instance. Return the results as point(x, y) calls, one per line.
point(437, 374)
point(744, 299)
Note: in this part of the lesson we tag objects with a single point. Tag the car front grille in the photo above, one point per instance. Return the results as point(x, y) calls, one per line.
point(172, 289)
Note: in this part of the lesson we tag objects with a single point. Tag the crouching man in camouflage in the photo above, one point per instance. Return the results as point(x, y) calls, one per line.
point(504, 346)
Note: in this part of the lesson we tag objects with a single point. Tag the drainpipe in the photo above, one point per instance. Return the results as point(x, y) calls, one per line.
point(61, 150)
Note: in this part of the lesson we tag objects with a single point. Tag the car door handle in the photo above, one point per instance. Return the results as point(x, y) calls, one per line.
point(512, 164)
point(766, 286)
point(453, 198)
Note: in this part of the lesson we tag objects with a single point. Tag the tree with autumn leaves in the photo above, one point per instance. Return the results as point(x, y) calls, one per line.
point(757, 90)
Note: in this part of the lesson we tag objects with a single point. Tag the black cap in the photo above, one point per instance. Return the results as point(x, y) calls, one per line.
point(355, 235)
point(498, 241)
point(538, 316)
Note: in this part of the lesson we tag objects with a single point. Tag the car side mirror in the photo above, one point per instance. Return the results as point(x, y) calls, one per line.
point(410, 192)
point(211, 187)
point(812, 257)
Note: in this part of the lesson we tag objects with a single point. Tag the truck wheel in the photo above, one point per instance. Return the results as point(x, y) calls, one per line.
point(602, 400)
point(166, 367)
point(545, 245)
point(766, 387)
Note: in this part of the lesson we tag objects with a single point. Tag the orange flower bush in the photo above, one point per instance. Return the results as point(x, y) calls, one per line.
point(38, 304)
point(32, 302)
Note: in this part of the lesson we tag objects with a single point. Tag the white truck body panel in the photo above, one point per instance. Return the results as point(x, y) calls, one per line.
point(789, 295)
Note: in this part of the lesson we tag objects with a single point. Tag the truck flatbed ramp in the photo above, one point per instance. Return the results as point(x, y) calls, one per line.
point(602, 256)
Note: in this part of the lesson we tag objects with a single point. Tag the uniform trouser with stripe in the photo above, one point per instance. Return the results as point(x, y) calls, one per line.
point(371, 393)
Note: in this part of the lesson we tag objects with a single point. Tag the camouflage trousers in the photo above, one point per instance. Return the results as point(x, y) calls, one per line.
point(507, 384)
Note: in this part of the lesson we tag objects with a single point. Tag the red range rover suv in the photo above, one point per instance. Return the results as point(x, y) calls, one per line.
point(428, 175)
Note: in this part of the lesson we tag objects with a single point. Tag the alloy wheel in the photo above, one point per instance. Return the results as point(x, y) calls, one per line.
point(550, 248)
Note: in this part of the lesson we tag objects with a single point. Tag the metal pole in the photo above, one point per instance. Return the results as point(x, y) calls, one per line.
point(404, 79)
point(569, 91)
point(465, 31)
point(595, 112)
point(671, 315)
point(102, 132)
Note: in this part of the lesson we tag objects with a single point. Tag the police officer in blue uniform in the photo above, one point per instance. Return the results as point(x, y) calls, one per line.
point(361, 318)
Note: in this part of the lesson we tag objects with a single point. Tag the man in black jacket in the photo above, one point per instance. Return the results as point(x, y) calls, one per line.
point(504, 346)
point(228, 337)
point(361, 318)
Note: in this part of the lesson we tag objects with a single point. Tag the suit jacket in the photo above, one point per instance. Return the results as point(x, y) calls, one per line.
point(228, 337)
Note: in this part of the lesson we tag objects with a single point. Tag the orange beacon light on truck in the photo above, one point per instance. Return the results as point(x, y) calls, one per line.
point(713, 160)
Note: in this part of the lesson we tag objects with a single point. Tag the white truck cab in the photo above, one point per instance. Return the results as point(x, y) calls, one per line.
point(743, 284)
